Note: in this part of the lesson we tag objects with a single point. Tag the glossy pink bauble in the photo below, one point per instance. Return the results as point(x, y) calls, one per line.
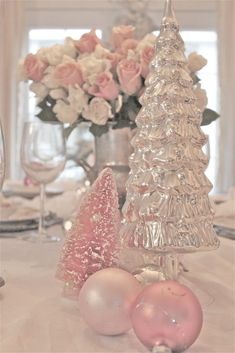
point(167, 313)
point(106, 298)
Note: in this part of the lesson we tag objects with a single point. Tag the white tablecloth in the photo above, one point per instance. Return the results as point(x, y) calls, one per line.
point(34, 317)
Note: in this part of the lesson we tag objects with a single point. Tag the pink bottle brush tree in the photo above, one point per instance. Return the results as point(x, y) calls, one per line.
point(92, 242)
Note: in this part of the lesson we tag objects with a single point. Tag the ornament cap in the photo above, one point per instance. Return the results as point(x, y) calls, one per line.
point(169, 11)
point(161, 349)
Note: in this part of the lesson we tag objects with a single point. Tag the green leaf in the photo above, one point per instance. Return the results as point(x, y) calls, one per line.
point(42, 104)
point(51, 100)
point(133, 107)
point(125, 98)
point(46, 107)
point(98, 130)
point(128, 111)
point(46, 114)
point(133, 125)
point(209, 116)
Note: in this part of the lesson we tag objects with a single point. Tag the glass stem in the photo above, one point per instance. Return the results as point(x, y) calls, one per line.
point(41, 229)
point(169, 263)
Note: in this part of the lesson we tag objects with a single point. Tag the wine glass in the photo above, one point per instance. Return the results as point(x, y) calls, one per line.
point(43, 157)
point(2, 157)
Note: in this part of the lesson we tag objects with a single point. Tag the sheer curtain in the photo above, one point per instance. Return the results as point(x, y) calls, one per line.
point(11, 41)
point(226, 40)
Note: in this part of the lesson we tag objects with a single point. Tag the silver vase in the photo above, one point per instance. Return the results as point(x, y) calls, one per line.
point(113, 149)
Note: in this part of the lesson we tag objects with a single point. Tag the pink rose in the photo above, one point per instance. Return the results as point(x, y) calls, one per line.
point(88, 42)
point(104, 87)
point(128, 44)
point(114, 59)
point(146, 57)
point(34, 67)
point(128, 71)
point(69, 74)
point(121, 33)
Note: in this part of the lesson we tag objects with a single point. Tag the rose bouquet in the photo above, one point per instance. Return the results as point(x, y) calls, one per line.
point(84, 80)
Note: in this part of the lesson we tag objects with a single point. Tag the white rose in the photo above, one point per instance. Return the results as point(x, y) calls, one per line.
point(54, 55)
point(58, 93)
point(69, 48)
point(91, 66)
point(67, 59)
point(40, 90)
point(131, 54)
point(64, 112)
point(42, 54)
point(196, 62)
point(201, 96)
point(100, 52)
point(98, 111)
point(77, 98)
point(148, 41)
point(48, 78)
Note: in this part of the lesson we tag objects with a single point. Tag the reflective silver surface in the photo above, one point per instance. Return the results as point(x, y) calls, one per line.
point(167, 208)
point(113, 149)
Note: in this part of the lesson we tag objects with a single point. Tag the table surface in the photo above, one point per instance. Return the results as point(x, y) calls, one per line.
point(34, 317)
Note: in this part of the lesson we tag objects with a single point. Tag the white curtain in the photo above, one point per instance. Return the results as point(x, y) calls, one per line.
point(226, 40)
point(11, 41)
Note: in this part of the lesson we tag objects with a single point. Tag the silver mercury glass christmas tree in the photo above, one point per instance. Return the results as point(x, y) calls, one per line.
point(167, 210)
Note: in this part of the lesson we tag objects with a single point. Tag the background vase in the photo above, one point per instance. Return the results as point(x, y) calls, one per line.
point(113, 149)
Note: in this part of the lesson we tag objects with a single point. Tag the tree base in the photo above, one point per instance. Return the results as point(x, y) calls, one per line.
point(161, 267)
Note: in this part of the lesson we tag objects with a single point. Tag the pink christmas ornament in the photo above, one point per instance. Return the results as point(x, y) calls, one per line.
point(91, 244)
point(106, 298)
point(166, 317)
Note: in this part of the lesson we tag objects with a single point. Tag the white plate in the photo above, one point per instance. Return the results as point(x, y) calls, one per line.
point(218, 198)
point(13, 211)
point(10, 228)
point(228, 222)
point(30, 191)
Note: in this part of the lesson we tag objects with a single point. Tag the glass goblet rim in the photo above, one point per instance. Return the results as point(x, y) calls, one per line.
point(30, 122)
